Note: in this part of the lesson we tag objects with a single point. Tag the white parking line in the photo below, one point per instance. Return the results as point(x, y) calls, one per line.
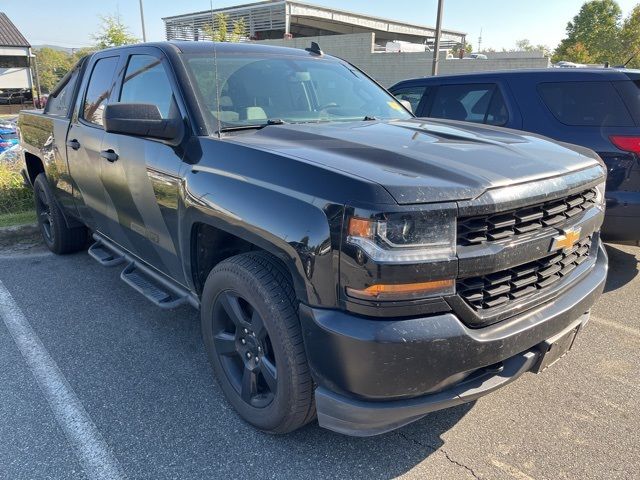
point(623, 328)
point(94, 454)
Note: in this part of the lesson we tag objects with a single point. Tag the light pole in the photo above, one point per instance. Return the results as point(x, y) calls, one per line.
point(144, 33)
point(436, 48)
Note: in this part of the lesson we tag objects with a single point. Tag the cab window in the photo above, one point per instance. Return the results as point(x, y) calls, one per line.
point(99, 89)
point(61, 103)
point(145, 81)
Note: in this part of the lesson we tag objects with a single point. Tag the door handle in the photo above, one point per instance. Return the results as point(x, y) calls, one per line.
point(109, 155)
point(74, 144)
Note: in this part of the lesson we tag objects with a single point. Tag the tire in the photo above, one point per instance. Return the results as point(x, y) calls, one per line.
point(253, 291)
point(58, 237)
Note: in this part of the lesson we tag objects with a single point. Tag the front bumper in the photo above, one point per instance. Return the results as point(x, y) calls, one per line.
point(377, 375)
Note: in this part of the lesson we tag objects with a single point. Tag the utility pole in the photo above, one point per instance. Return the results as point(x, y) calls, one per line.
point(144, 33)
point(436, 49)
point(38, 90)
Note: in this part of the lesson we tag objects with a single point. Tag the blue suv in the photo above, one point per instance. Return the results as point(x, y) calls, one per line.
point(595, 108)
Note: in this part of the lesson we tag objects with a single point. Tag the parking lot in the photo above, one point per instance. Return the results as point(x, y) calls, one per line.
point(140, 379)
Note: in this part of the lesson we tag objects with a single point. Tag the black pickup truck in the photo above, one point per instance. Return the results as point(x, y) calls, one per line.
point(350, 261)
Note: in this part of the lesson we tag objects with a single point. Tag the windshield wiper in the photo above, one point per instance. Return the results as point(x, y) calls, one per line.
point(369, 118)
point(257, 126)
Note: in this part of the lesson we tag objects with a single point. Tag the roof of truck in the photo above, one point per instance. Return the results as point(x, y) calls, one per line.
point(183, 46)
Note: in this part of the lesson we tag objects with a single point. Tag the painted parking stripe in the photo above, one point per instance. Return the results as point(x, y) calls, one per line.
point(92, 451)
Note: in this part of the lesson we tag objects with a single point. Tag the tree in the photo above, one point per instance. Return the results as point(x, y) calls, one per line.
point(630, 39)
point(239, 30)
point(524, 45)
point(218, 31)
point(467, 47)
point(113, 33)
point(597, 26)
point(579, 53)
point(52, 66)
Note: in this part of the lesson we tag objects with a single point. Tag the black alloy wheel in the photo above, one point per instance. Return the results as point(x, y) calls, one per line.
point(43, 211)
point(253, 339)
point(59, 237)
point(244, 349)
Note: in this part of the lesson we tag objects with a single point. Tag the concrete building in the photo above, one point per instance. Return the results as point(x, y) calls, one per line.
point(15, 57)
point(375, 45)
point(277, 19)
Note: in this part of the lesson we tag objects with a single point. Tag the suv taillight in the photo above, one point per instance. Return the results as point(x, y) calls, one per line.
point(626, 143)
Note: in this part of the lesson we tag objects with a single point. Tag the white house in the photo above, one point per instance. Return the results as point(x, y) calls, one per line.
point(15, 57)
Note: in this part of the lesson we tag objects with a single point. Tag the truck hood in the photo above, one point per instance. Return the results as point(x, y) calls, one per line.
point(422, 161)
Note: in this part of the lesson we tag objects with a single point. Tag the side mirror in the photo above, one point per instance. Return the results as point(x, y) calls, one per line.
point(140, 120)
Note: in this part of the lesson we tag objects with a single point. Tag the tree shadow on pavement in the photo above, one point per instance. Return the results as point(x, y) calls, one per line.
point(623, 267)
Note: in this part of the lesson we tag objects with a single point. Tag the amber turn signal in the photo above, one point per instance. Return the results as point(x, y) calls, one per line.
point(360, 227)
point(406, 291)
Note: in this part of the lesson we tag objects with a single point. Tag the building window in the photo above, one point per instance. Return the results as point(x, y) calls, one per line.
point(13, 61)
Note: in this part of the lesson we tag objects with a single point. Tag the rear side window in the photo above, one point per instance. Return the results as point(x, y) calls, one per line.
point(61, 103)
point(99, 89)
point(413, 95)
point(630, 92)
point(145, 81)
point(480, 103)
point(585, 104)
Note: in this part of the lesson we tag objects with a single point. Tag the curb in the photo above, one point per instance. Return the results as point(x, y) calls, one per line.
point(19, 232)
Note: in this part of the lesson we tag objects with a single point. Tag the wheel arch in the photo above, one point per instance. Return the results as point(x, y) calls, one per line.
point(296, 232)
point(210, 243)
point(34, 166)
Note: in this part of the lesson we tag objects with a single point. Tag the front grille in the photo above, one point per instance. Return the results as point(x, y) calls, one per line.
point(504, 225)
point(500, 288)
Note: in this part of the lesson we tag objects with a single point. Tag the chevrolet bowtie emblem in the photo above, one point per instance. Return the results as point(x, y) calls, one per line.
point(567, 240)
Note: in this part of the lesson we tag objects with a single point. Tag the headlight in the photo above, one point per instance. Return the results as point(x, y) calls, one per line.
point(400, 256)
point(413, 237)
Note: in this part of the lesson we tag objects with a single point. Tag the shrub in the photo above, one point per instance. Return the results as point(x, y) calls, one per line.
point(14, 196)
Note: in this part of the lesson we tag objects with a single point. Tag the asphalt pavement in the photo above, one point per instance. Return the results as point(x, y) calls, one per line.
point(95, 382)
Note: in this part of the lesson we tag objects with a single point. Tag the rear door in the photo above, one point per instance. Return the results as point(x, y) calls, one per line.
point(142, 183)
point(58, 112)
point(591, 113)
point(486, 101)
point(84, 139)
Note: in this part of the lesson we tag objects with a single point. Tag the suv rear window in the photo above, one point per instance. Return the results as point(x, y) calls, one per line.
point(586, 104)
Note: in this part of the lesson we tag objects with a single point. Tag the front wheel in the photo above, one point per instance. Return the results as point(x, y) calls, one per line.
point(58, 237)
point(254, 342)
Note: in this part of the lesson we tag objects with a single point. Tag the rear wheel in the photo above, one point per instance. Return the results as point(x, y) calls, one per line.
point(58, 237)
point(254, 342)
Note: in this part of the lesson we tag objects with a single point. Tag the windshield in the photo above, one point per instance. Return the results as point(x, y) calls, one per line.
point(256, 90)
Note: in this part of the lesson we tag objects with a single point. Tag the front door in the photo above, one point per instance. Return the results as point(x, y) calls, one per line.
point(142, 180)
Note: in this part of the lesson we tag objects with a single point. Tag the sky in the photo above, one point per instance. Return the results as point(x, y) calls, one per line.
point(72, 22)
